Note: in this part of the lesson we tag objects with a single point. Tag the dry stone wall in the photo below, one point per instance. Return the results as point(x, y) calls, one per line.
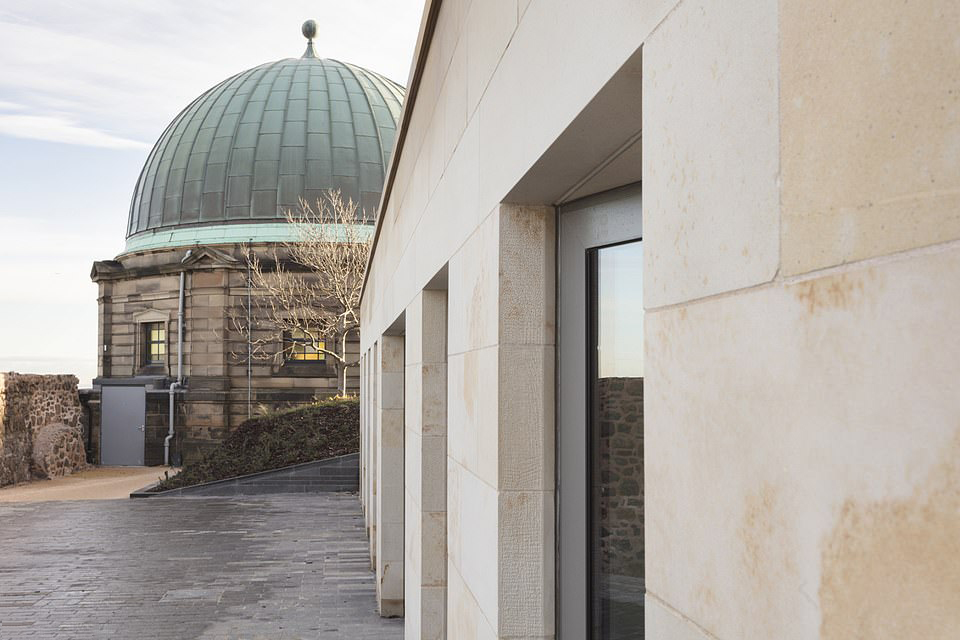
point(41, 434)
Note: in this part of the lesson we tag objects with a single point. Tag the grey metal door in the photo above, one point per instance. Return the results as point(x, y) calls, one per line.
point(123, 413)
point(599, 358)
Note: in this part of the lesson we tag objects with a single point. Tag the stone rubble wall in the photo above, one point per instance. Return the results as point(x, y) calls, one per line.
point(41, 432)
point(90, 399)
point(621, 452)
point(57, 450)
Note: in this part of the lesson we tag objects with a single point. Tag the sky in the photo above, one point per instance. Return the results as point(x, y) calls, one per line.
point(621, 311)
point(86, 88)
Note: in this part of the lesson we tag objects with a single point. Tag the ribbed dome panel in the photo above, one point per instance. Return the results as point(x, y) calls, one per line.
point(250, 147)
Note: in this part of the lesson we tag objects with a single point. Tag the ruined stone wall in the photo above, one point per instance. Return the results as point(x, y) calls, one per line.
point(16, 443)
point(41, 432)
point(90, 399)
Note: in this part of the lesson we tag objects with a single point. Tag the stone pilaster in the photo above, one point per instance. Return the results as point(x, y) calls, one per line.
point(389, 468)
point(373, 383)
point(500, 435)
point(425, 467)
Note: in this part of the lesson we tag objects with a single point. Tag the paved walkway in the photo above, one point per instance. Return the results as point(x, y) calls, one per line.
point(98, 483)
point(275, 567)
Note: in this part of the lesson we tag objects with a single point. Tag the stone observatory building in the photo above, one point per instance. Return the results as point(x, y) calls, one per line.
point(221, 178)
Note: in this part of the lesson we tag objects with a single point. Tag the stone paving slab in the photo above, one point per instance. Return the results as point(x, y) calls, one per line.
point(279, 567)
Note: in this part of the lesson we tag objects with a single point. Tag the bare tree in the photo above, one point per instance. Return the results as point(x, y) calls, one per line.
point(308, 290)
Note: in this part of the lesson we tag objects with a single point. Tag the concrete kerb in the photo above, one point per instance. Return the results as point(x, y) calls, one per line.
point(145, 492)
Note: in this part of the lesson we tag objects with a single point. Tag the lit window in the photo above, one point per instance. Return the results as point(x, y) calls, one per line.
point(300, 347)
point(154, 343)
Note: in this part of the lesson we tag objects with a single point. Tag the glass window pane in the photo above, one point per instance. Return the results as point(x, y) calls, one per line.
point(616, 442)
point(621, 311)
point(300, 346)
point(154, 342)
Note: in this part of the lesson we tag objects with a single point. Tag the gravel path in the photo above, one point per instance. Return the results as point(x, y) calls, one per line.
point(99, 483)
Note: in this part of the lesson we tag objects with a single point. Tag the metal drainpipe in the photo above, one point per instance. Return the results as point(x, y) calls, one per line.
point(179, 383)
point(249, 343)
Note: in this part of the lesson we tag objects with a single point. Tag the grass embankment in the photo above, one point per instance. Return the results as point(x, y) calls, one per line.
point(323, 430)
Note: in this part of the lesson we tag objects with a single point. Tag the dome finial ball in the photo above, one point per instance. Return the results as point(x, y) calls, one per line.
point(309, 29)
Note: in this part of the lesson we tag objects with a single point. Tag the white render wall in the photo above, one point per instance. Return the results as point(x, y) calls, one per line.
point(802, 277)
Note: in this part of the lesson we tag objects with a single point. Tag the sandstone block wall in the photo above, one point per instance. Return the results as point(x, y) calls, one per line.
point(41, 429)
point(801, 299)
point(144, 287)
point(801, 303)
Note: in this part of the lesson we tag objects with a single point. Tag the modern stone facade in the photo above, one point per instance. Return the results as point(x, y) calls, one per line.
point(41, 430)
point(798, 170)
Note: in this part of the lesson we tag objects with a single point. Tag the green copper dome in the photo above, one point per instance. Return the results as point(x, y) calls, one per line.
point(248, 149)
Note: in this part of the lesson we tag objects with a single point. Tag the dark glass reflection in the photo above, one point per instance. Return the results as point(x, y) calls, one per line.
point(616, 442)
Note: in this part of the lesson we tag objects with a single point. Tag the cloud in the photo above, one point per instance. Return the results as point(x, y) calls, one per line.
point(57, 129)
point(133, 73)
point(106, 75)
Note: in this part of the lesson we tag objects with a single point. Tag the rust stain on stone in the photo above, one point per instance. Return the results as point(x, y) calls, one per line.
point(706, 596)
point(476, 312)
point(836, 292)
point(470, 381)
point(757, 528)
point(475, 332)
point(762, 533)
point(891, 569)
point(767, 548)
